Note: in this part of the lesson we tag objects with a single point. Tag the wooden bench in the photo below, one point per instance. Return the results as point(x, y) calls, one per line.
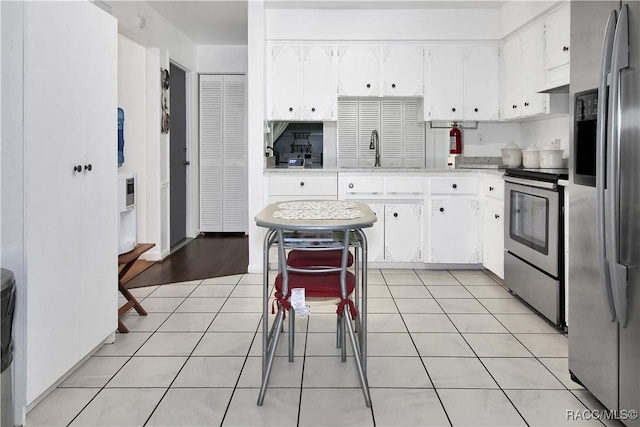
point(125, 262)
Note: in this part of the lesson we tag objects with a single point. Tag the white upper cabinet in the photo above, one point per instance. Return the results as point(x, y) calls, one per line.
point(374, 70)
point(556, 57)
point(402, 70)
point(303, 85)
point(446, 91)
point(481, 82)
point(358, 70)
point(524, 74)
point(463, 82)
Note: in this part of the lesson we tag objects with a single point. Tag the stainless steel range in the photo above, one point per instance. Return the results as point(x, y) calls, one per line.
point(534, 243)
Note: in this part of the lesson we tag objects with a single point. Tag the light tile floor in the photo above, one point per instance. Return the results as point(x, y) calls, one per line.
point(445, 348)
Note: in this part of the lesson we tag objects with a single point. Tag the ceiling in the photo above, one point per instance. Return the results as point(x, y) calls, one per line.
point(224, 22)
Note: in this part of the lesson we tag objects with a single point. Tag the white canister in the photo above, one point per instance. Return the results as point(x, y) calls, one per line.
point(550, 157)
point(512, 156)
point(531, 157)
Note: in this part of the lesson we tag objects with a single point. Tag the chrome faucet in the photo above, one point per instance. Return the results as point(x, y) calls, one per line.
point(375, 145)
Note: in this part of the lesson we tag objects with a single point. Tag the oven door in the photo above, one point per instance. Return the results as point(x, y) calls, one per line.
point(532, 222)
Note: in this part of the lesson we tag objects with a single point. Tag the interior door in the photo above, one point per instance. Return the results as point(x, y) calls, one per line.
point(178, 163)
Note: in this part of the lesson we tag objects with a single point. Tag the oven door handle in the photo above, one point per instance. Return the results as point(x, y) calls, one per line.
point(531, 182)
point(601, 156)
point(619, 61)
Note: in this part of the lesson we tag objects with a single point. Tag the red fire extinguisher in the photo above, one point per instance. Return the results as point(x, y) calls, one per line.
point(455, 140)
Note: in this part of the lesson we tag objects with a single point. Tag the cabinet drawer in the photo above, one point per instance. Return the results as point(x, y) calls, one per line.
point(493, 186)
point(454, 185)
point(362, 185)
point(405, 185)
point(303, 185)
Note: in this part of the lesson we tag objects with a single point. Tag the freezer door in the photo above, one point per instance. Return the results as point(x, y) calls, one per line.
point(593, 337)
point(630, 215)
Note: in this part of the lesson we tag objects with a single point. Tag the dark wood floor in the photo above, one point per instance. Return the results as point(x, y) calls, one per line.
point(210, 255)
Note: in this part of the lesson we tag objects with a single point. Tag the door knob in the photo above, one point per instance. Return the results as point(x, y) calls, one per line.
point(187, 162)
point(87, 167)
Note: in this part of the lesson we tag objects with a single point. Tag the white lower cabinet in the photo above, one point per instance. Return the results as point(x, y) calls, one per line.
point(302, 186)
point(493, 237)
point(397, 235)
point(454, 225)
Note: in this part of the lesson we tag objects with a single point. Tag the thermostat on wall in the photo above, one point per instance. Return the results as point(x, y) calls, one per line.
point(296, 163)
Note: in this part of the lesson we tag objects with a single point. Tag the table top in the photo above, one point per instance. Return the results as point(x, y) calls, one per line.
point(330, 212)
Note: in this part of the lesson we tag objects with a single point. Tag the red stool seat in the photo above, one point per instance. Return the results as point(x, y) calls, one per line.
point(317, 285)
point(306, 259)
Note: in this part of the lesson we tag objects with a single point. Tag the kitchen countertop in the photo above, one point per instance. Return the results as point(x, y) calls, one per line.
point(381, 170)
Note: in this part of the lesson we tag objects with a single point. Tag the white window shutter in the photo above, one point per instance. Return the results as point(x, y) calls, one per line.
point(347, 133)
point(391, 133)
point(369, 120)
point(414, 139)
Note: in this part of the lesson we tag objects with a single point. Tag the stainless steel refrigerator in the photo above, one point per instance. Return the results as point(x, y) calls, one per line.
point(604, 203)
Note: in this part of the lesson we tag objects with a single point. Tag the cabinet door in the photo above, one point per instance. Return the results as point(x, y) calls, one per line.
point(481, 83)
point(70, 222)
point(402, 70)
point(403, 232)
point(512, 78)
point(533, 75)
point(286, 82)
point(493, 237)
point(445, 84)
point(557, 38)
point(454, 231)
point(375, 235)
point(358, 70)
point(319, 94)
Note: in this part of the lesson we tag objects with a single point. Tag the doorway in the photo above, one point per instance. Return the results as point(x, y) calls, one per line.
point(178, 161)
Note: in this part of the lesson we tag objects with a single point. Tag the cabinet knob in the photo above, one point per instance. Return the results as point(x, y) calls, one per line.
point(490, 188)
point(565, 48)
point(497, 216)
point(395, 214)
point(290, 108)
point(453, 109)
point(77, 168)
point(526, 104)
point(313, 109)
point(368, 85)
point(441, 209)
point(393, 85)
point(455, 185)
point(301, 183)
point(475, 110)
point(351, 185)
point(514, 106)
point(87, 167)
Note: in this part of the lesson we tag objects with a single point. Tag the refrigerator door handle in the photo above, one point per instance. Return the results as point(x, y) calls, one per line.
point(605, 69)
point(619, 61)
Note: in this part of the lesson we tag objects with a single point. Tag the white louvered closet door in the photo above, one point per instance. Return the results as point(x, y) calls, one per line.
point(210, 153)
point(234, 202)
point(223, 181)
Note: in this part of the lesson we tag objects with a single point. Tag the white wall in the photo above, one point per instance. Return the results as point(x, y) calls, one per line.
point(404, 24)
point(228, 59)
point(163, 44)
point(542, 132)
point(132, 98)
point(255, 128)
